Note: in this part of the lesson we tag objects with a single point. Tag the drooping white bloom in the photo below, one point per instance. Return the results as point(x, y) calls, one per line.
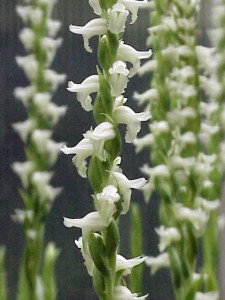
point(24, 171)
point(118, 78)
point(207, 296)
point(86, 255)
point(125, 115)
point(127, 264)
point(129, 54)
point(124, 186)
point(92, 144)
point(92, 28)
point(106, 201)
point(156, 263)
point(117, 18)
point(123, 293)
point(88, 86)
point(24, 128)
point(82, 151)
point(134, 5)
point(167, 236)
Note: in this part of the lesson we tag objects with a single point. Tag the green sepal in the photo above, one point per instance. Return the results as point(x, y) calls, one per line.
point(113, 147)
point(98, 254)
point(98, 174)
point(104, 100)
point(98, 283)
point(105, 4)
point(107, 50)
point(112, 238)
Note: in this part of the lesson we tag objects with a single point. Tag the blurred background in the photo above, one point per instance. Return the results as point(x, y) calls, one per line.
point(75, 200)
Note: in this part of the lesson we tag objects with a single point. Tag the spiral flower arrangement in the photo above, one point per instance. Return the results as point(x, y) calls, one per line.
point(102, 145)
point(39, 40)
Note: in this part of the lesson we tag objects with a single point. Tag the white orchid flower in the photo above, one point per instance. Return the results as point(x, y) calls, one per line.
point(24, 128)
point(29, 64)
point(117, 18)
point(128, 53)
point(134, 5)
point(88, 86)
point(24, 94)
point(88, 262)
point(24, 171)
point(124, 186)
point(125, 115)
point(167, 236)
point(118, 78)
point(207, 296)
point(92, 144)
point(106, 201)
point(123, 293)
point(127, 264)
point(96, 7)
point(156, 263)
point(94, 27)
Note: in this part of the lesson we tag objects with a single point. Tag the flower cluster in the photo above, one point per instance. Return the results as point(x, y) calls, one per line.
point(184, 147)
point(96, 156)
point(39, 38)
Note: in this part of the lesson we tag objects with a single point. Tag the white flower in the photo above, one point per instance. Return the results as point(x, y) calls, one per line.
point(29, 65)
point(124, 186)
point(125, 115)
point(24, 171)
point(134, 5)
point(118, 78)
point(147, 67)
point(167, 236)
point(117, 18)
point(98, 136)
point(86, 255)
point(94, 27)
point(27, 37)
point(88, 86)
point(156, 263)
point(21, 215)
point(207, 205)
point(123, 293)
point(146, 141)
point(24, 12)
point(82, 151)
point(24, 128)
point(50, 45)
point(53, 78)
point(36, 16)
point(92, 222)
point(106, 201)
point(207, 296)
point(144, 98)
point(96, 6)
point(127, 264)
point(92, 144)
point(53, 27)
point(24, 94)
point(128, 53)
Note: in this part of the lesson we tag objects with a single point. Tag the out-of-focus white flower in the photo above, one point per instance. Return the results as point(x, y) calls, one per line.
point(117, 18)
point(123, 293)
point(24, 12)
point(147, 67)
point(24, 128)
point(106, 201)
point(127, 264)
point(21, 215)
point(53, 27)
point(124, 186)
point(50, 47)
point(167, 236)
point(24, 94)
point(156, 263)
point(29, 64)
point(96, 6)
point(134, 5)
point(88, 262)
point(24, 171)
point(54, 79)
point(129, 54)
point(118, 78)
point(27, 37)
point(36, 16)
point(125, 115)
point(88, 86)
point(207, 205)
point(94, 27)
point(146, 97)
point(197, 217)
point(207, 296)
point(146, 141)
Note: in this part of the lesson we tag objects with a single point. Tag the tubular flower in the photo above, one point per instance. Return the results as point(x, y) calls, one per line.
point(92, 28)
point(88, 86)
